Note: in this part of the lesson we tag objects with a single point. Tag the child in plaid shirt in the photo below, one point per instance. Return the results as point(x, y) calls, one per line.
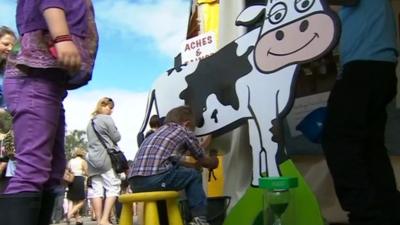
point(156, 165)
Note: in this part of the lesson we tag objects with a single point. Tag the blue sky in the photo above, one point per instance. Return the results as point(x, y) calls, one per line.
point(138, 40)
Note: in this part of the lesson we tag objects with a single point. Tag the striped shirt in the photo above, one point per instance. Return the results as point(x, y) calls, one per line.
point(156, 153)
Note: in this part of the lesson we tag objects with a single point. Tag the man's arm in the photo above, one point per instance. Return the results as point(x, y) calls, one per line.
point(113, 132)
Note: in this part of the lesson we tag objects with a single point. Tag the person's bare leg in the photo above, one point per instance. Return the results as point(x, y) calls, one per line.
point(69, 213)
point(108, 205)
point(138, 212)
point(76, 206)
point(75, 214)
point(92, 210)
point(97, 207)
point(113, 215)
point(76, 209)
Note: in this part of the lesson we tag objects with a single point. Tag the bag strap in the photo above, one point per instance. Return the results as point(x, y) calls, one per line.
point(100, 137)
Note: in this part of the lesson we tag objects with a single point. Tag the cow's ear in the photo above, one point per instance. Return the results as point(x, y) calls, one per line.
point(250, 15)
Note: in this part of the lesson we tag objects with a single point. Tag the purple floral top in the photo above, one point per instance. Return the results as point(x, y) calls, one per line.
point(34, 54)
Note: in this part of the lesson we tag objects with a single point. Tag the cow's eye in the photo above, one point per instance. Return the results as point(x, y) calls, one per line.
point(303, 5)
point(277, 13)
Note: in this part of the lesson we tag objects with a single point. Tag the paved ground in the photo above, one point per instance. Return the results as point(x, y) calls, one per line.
point(86, 221)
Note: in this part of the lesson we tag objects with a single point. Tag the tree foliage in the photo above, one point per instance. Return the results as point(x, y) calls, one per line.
point(73, 139)
point(5, 121)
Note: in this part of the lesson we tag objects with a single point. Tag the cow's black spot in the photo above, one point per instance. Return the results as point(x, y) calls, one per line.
point(217, 75)
point(214, 115)
point(177, 64)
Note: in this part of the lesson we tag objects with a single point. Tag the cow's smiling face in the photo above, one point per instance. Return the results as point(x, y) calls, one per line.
point(293, 35)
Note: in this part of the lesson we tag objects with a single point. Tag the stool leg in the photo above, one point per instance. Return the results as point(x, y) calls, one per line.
point(174, 215)
point(126, 217)
point(151, 213)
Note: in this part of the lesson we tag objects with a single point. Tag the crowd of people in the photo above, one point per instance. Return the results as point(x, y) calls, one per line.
point(7, 151)
point(63, 36)
point(81, 196)
point(64, 39)
point(35, 86)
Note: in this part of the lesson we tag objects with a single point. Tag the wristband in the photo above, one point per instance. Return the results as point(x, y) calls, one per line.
point(62, 38)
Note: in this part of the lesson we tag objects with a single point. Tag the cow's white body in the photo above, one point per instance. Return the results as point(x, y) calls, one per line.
point(264, 93)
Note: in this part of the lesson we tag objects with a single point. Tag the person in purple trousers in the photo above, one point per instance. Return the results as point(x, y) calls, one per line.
point(58, 47)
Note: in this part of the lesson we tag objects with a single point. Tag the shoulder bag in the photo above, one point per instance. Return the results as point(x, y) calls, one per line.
point(117, 157)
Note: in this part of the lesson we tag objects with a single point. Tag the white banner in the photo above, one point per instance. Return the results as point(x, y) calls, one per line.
point(198, 47)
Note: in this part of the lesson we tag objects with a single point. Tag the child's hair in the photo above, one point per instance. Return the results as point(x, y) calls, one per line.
point(180, 114)
point(155, 121)
point(6, 30)
point(101, 103)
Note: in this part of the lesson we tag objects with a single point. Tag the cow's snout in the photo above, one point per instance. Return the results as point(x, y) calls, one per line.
point(298, 41)
point(280, 35)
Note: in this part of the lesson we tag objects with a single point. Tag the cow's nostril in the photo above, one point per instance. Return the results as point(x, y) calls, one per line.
point(304, 25)
point(279, 35)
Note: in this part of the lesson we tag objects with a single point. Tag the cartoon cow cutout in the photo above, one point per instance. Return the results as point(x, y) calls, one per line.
point(252, 78)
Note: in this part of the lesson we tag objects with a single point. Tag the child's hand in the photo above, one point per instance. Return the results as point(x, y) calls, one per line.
point(213, 152)
point(68, 55)
point(205, 141)
point(213, 162)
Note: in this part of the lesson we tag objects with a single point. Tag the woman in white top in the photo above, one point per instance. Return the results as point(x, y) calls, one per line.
point(76, 190)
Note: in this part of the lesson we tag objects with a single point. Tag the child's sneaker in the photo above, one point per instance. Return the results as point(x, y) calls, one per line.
point(199, 220)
